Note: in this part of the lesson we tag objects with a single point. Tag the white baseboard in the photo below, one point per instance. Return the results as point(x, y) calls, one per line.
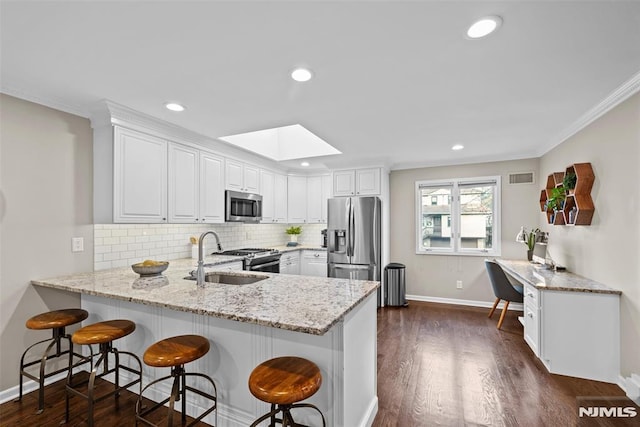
point(631, 386)
point(470, 303)
point(372, 410)
point(27, 387)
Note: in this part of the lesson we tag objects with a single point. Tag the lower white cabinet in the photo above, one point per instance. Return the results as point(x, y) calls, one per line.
point(290, 263)
point(314, 263)
point(532, 318)
point(574, 333)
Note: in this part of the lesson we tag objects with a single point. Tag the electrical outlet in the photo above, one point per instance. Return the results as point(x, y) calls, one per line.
point(77, 244)
point(458, 284)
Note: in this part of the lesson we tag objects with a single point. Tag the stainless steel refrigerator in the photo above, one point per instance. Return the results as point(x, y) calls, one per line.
point(353, 238)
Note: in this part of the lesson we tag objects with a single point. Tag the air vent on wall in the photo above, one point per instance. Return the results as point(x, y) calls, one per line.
point(521, 178)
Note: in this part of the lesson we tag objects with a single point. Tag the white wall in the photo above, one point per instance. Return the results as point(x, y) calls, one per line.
point(609, 249)
point(45, 199)
point(436, 275)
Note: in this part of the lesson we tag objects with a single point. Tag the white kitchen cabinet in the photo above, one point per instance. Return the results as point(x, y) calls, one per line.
point(532, 318)
point(290, 263)
point(324, 198)
point(297, 199)
point(313, 263)
point(139, 177)
point(196, 190)
point(211, 188)
point(308, 197)
point(281, 198)
point(183, 184)
point(274, 197)
point(314, 199)
point(242, 176)
point(356, 182)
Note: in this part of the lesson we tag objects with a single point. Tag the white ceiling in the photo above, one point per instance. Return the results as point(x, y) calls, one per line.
point(396, 83)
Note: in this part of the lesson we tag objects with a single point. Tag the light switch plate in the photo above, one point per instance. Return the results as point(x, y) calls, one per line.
point(77, 244)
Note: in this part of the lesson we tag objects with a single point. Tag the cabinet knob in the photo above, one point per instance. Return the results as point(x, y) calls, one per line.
point(316, 255)
point(530, 315)
point(164, 219)
point(529, 294)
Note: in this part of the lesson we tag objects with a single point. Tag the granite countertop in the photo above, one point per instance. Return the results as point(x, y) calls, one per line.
point(541, 278)
point(305, 304)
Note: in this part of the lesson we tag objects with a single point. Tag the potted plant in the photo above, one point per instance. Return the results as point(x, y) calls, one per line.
point(293, 233)
point(569, 181)
point(529, 238)
point(556, 200)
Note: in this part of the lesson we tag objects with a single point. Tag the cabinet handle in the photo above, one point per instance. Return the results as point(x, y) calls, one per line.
point(316, 255)
point(530, 315)
point(529, 294)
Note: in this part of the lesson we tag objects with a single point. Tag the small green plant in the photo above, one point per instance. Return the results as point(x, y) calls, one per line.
point(554, 202)
point(569, 181)
point(294, 230)
point(532, 238)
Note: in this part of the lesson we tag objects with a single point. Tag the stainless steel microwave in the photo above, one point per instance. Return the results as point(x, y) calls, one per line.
point(242, 207)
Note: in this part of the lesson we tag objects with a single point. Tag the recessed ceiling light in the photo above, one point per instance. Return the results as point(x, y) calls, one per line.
point(305, 164)
point(301, 75)
point(173, 106)
point(484, 26)
point(457, 147)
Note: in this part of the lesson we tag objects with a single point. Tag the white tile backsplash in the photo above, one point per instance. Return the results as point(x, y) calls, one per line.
point(119, 245)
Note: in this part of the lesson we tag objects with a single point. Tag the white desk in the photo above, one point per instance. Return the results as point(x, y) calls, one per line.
point(571, 323)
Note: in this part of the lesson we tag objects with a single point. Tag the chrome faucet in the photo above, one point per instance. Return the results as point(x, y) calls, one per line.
point(200, 271)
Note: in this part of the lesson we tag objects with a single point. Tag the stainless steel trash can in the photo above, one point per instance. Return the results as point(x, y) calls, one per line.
point(395, 285)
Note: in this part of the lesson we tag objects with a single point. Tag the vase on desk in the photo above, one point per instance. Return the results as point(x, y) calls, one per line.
point(530, 254)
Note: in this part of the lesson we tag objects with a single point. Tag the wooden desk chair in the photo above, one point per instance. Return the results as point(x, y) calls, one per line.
point(502, 288)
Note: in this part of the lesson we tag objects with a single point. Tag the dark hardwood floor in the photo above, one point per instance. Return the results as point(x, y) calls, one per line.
point(449, 365)
point(438, 365)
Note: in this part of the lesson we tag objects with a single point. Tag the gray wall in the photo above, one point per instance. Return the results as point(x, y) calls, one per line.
point(436, 275)
point(609, 250)
point(46, 198)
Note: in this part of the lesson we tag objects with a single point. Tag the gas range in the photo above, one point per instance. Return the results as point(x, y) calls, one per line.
point(250, 252)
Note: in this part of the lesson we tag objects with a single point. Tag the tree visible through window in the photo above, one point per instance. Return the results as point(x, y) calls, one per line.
point(463, 219)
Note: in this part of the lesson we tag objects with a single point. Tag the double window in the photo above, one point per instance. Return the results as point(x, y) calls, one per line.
point(458, 216)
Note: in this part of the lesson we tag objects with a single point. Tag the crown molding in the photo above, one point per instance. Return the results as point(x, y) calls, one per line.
point(56, 104)
point(622, 93)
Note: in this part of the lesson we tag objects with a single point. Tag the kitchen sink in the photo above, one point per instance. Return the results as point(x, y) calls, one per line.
point(229, 279)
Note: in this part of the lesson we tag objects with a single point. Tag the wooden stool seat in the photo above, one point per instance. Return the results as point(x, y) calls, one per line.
point(103, 332)
point(285, 380)
point(176, 351)
point(57, 319)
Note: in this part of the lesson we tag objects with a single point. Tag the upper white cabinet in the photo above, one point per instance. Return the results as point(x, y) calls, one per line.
point(183, 184)
point(297, 199)
point(356, 182)
point(314, 199)
point(139, 177)
point(274, 196)
point(211, 188)
point(318, 192)
point(242, 176)
point(308, 199)
point(196, 190)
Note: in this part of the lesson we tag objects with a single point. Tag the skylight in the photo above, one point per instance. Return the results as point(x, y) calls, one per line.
point(283, 143)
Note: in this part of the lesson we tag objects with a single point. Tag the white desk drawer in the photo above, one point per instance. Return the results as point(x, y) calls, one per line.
point(531, 296)
point(532, 328)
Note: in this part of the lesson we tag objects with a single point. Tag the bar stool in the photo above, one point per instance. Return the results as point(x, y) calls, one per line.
point(175, 352)
point(282, 382)
point(103, 334)
point(55, 320)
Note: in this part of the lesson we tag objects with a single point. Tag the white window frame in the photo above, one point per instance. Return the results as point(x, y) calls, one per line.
point(456, 248)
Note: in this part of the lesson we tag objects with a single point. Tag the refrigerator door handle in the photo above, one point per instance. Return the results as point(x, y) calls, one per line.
point(349, 229)
point(352, 234)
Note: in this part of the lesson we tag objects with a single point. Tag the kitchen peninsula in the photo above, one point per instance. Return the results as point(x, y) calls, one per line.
point(329, 321)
